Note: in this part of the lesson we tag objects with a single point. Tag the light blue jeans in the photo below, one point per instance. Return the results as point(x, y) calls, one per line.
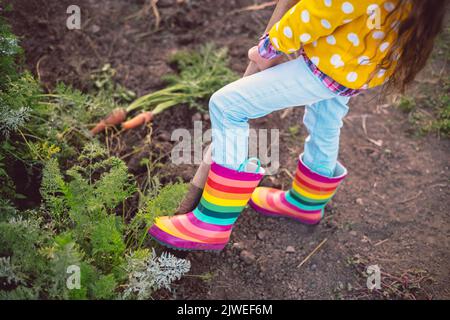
point(286, 85)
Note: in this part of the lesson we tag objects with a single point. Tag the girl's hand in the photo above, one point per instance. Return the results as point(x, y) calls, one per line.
point(262, 63)
point(252, 68)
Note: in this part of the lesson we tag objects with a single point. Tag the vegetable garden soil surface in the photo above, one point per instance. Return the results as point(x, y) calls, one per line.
point(392, 211)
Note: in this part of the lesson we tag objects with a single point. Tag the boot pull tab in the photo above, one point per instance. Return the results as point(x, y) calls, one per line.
point(246, 162)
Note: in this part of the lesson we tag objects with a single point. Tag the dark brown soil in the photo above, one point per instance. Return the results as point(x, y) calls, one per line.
point(392, 211)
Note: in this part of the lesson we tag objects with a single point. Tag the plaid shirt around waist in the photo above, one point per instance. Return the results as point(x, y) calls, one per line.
point(329, 82)
point(267, 51)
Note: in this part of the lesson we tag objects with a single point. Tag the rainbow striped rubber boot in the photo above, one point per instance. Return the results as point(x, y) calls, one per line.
point(305, 201)
point(208, 227)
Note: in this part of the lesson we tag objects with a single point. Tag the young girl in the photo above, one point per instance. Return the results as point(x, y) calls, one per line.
point(345, 47)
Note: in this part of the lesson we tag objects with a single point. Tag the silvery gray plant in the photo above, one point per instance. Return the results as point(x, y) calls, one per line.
point(8, 271)
point(9, 46)
point(150, 273)
point(12, 119)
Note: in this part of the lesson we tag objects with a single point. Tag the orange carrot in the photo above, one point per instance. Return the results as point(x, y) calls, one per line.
point(137, 121)
point(117, 116)
point(99, 127)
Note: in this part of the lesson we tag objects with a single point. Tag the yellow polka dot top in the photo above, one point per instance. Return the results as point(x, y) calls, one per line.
point(345, 39)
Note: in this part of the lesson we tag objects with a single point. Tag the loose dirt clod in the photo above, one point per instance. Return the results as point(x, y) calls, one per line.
point(261, 235)
point(290, 249)
point(247, 257)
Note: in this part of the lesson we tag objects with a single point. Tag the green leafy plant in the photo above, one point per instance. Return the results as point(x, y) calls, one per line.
point(84, 219)
point(406, 104)
point(431, 111)
point(79, 224)
point(164, 203)
point(108, 89)
point(23, 269)
point(9, 51)
point(18, 103)
point(200, 74)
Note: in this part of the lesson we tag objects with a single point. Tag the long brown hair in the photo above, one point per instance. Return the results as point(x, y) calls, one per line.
point(416, 37)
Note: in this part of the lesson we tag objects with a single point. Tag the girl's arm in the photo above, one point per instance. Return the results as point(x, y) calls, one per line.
point(281, 8)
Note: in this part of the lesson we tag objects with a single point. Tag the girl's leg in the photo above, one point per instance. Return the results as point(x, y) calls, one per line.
point(195, 189)
point(318, 173)
point(323, 120)
point(228, 189)
point(286, 85)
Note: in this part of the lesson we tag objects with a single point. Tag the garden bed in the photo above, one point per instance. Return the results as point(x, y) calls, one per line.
point(392, 211)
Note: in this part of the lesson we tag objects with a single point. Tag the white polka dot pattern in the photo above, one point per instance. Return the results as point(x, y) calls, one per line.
point(336, 61)
point(347, 7)
point(325, 23)
point(389, 6)
point(305, 16)
point(363, 60)
point(287, 31)
point(378, 35)
point(305, 37)
point(352, 76)
point(384, 46)
point(275, 42)
point(331, 40)
point(315, 60)
point(336, 35)
point(381, 73)
point(353, 38)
